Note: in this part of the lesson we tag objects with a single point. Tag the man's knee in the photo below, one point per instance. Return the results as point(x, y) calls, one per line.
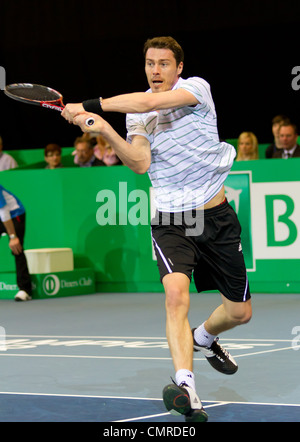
point(177, 293)
point(175, 297)
point(239, 313)
point(241, 316)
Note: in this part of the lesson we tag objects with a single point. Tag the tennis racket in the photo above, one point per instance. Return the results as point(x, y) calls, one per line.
point(38, 95)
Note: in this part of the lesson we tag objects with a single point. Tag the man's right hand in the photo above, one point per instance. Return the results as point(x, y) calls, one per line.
point(71, 110)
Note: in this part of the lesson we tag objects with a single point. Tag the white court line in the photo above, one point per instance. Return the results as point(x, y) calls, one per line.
point(267, 351)
point(85, 357)
point(86, 337)
point(143, 417)
point(213, 403)
point(80, 396)
point(294, 348)
point(139, 337)
point(165, 414)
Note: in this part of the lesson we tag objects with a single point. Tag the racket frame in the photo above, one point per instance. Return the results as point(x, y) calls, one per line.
point(56, 104)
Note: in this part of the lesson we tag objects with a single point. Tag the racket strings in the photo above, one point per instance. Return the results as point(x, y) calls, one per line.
point(36, 92)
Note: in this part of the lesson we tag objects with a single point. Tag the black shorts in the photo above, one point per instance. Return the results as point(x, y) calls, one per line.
point(214, 258)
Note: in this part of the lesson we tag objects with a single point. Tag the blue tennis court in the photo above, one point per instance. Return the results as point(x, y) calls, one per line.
point(105, 358)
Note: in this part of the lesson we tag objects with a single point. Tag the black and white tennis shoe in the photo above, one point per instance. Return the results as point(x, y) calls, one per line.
point(182, 400)
point(217, 356)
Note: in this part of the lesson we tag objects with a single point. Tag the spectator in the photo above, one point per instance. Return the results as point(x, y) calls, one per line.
point(84, 153)
point(276, 123)
point(12, 222)
point(288, 135)
point(104, 152)
point(53, 156)
point(247, 147)
point(6, 161)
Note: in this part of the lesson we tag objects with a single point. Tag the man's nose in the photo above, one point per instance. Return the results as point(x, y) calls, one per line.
point(156, 69)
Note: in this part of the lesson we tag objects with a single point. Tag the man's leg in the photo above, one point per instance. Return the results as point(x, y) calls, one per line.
point(178, 330)
point(181, 397)
point(225, 317)
point(228, 315)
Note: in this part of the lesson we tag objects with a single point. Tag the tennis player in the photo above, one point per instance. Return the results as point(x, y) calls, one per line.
point(172, 134)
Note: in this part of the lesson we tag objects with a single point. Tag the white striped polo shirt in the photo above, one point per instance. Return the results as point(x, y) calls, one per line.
point(189, 164)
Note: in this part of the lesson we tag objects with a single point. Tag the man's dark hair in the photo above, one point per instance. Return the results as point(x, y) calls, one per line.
point(280, 119)
point(90, 142)
point(165, 43)
point(290, 125)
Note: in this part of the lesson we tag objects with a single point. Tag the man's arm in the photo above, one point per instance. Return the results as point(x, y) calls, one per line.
point(137, 102)
point(140, 102)
point(136, 156)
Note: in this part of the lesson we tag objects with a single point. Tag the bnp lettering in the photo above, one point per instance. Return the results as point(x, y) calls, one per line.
point(283, 219)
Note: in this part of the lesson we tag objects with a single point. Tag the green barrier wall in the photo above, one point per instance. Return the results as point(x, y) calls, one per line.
point(64, 208)
point(34, 158)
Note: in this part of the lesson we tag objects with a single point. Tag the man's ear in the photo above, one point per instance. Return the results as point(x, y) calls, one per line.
point(180, 68)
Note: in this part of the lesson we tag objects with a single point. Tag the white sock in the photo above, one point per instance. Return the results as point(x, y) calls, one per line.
point(202, 337)
point(185, 376)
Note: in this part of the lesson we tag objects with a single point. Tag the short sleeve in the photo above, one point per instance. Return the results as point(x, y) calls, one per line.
point(136, 126)
point(201, 90)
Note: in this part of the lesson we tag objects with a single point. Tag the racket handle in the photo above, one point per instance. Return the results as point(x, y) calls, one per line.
point(89, 121)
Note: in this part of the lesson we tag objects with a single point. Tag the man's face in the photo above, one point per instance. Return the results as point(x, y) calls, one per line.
point(84, 152)
point(287, 137)
point(161, 70)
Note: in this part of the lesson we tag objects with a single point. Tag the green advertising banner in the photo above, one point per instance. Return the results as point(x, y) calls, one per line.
point(237, 191)
point(58, 284)
point(51, 285)
point(103, 214)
